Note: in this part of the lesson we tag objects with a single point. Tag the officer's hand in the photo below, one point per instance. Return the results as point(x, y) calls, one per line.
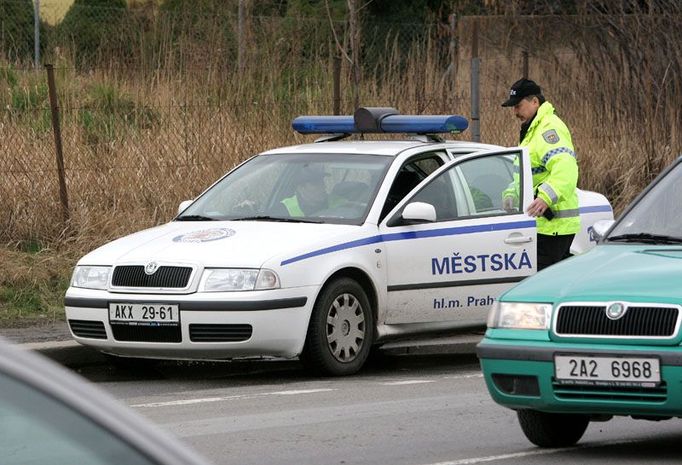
point(537, 207)
point(508, 204)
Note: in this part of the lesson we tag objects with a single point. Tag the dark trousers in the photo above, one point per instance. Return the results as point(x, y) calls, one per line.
point(552, 249)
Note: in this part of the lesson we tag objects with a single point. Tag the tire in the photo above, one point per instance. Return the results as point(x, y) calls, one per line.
point(552, 429)
point(341, 330)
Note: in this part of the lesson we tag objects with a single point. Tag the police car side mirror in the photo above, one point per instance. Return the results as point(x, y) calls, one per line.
point(600, 228)
point(418, 212)
point(183, 205)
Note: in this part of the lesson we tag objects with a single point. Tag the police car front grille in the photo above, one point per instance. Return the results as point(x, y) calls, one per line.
point(219, 333)
point(591, 320)
point(165, 277)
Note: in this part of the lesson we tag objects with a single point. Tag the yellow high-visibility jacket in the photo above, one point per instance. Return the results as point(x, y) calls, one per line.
point(555, 171)
point(292, 206)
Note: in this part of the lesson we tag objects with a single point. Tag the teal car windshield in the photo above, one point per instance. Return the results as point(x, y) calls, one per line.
point(657, 217)
point(305, 188)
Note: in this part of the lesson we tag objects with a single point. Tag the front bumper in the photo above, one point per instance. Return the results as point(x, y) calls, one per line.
point(520, 375)
point(212, 325)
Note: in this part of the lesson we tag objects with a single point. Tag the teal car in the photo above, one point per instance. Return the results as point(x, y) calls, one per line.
point(597, 335)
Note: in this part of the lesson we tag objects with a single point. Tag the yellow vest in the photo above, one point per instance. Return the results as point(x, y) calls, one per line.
point(292, 206)
point(555, 171)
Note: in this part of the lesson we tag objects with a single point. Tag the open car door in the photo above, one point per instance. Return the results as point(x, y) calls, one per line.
point(452, 248)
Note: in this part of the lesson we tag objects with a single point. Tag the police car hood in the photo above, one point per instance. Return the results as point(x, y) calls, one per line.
point(246, 244)
point(640, 273)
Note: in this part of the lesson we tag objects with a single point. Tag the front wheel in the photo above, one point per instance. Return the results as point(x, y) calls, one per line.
point(341, 330)
point(552, 429)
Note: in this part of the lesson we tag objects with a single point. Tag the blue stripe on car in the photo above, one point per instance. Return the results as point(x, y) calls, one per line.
point(412, 235)
point(429, 233)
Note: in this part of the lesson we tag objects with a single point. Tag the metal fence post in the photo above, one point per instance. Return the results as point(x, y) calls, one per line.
point(475, 66)
point(454, 57)
point(36, 34)
point(336, 71)
point(355, 44)
point(54, 110)
point(241, 19)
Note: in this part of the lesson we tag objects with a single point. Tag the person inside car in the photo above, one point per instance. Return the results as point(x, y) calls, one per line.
point(310, 195)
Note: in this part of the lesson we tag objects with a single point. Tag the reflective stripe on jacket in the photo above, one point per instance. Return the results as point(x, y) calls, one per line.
point(555, 171)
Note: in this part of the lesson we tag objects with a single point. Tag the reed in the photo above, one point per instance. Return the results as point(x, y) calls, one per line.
point(139, 138)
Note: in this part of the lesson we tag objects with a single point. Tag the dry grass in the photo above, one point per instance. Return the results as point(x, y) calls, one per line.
point(623, 108)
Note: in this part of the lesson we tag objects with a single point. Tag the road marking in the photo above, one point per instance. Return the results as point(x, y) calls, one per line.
point(472, 375)
point(530, 453)
point(294, 393)
point(204, 400)
point(412, 381)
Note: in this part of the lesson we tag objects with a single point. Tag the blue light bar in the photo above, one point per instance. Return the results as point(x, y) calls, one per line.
point(410, 124)
point(324, 124)
point(424, 124)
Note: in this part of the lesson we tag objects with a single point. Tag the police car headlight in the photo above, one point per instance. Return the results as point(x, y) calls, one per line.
point(519, 315)
point(91, 277)
point(235, 279)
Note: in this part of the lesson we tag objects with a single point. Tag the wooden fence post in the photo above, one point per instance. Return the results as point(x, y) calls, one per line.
point(54, 110)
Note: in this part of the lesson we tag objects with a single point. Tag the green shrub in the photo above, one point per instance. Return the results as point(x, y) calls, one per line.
point(205, 29)
point(26, 99)
point(16, 29)
point(96, 28)
point(109, 113)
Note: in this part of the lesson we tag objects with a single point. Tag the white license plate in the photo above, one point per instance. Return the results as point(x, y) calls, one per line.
point(623, 371)
point(150, 314)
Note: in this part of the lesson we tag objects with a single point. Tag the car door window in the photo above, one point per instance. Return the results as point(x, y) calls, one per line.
point(410, 175)
point(473, 188)
point(36, 429)
point(488, 177)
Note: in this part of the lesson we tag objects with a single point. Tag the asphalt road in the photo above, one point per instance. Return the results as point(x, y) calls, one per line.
point(401, 410)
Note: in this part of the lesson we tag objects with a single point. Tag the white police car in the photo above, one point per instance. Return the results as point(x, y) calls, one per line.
point(321, 250)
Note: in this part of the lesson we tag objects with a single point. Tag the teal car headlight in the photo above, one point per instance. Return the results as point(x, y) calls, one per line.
point(237, 279)
point(519, 315)
point(91, 277)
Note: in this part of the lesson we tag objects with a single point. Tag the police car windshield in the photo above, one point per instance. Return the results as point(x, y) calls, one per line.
point(306, 188)
point(657, 217)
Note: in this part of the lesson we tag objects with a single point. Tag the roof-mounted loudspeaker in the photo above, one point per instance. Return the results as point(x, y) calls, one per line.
point(368, 119)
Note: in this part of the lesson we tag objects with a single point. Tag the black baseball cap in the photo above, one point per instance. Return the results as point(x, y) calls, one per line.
point(520, 89)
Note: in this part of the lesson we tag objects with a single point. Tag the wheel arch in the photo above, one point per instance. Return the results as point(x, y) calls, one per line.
point(364, 280)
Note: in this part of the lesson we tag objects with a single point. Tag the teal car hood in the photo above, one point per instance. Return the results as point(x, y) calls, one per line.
point(640, 273)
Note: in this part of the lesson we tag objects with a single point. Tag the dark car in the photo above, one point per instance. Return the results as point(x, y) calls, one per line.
point(51, 416)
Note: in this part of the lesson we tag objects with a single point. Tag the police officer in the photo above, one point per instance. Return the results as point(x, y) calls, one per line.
point(555, 171)
point(311, 194)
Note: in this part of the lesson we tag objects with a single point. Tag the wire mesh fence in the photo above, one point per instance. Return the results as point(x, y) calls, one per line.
point(154, 105)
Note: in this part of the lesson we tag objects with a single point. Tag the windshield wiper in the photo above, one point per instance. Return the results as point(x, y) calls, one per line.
point(646, 238)
point(274, 218)
point(194, 218)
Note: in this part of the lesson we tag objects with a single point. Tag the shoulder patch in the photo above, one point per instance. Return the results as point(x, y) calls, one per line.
point(550, 136)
